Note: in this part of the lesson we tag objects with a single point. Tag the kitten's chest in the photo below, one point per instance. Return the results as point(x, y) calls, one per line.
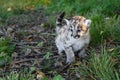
point(77, 44)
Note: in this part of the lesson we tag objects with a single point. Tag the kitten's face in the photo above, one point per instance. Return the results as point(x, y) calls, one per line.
point(78, 26)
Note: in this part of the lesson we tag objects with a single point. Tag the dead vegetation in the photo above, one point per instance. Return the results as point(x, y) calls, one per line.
point(33, 36)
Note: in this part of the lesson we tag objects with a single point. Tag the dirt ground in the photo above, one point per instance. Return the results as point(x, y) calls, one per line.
point(34, 37)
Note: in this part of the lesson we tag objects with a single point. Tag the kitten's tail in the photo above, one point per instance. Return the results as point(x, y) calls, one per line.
point(59, 19)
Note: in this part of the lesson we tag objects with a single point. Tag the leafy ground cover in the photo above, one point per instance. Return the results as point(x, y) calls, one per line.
point(28, 51)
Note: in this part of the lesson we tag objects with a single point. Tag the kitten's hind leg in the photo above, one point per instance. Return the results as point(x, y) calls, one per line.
point(82, 54)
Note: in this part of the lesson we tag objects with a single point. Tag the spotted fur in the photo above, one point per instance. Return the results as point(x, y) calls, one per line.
point(72, 36)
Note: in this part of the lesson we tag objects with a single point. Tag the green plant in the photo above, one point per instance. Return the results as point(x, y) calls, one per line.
point(18, 76)
point(101, 66)
point(47, 55)
point(105, 7)
point(6, 49)
point(40, 44)
point(58, 77)
point(48, 61)
point(28, 76)
point(11, 8)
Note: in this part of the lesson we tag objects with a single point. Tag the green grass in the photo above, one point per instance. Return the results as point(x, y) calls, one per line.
point(104, 30)
point(95, 10)
point(27, 76)
point(104, 66)
point(16, 7)
point(6, 50)
point(106, 7)
point(18, 76)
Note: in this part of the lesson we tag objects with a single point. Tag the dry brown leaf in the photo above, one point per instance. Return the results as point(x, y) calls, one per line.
point(78, 63)
point(40, 75)
point(114, 60)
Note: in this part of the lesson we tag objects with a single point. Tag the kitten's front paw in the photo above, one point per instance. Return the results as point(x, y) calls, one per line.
point(70, 60)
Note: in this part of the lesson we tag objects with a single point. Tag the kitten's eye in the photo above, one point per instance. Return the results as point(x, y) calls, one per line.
point(71, 28)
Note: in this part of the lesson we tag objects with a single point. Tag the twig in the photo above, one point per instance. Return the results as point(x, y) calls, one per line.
point(25, 60)
point(43, 38)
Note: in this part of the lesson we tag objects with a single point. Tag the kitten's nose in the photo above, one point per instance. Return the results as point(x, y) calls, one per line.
point(76, 36)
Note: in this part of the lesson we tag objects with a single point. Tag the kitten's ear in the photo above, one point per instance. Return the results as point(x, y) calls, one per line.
point(67, 21)
point(62, 15)
point(88, 22)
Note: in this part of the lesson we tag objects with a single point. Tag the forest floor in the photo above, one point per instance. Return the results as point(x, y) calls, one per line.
point(34, 39)
point(27, 40)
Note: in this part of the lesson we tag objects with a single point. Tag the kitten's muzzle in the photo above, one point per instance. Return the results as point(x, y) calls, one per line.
point(76, 36)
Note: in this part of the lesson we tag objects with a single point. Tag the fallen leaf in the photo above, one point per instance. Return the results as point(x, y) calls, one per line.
point(114, 60)
point(78, 63)
point(40, 75)
point(28, 51)
point(111, 49)
point(9, 9)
